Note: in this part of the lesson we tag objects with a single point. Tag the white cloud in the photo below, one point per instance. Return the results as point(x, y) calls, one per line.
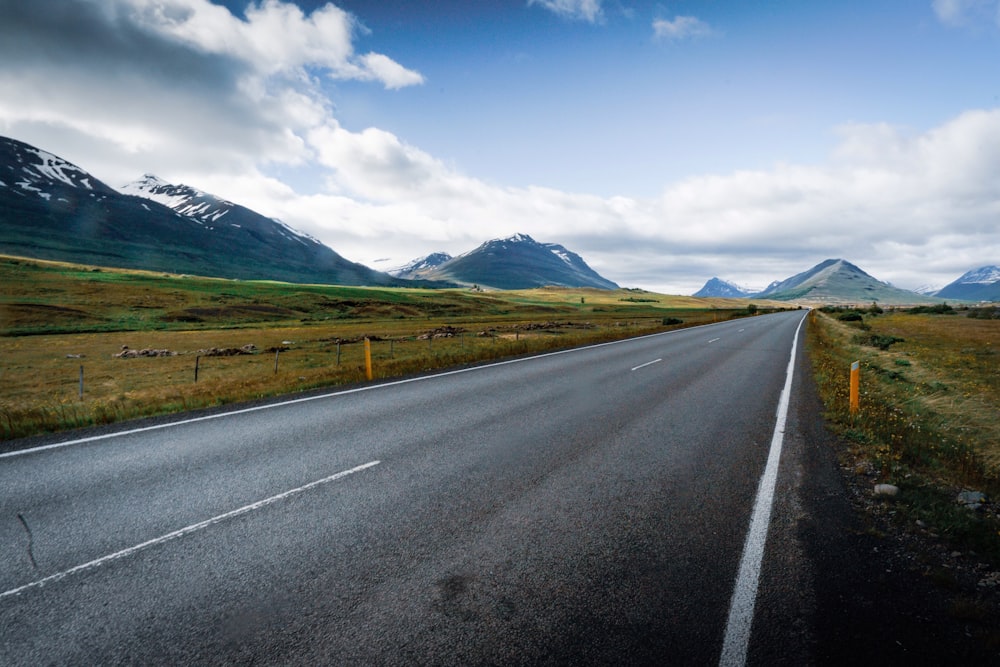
point(183, 88)
point(912, 208)
point(580, 10)
point(682, 27)
point(276, 37)
point(966, 12)
point(182, 84)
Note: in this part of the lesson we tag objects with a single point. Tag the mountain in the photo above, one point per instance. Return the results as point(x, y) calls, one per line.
point(420, 266)
point(518, 262)
point(52, 209)
point(717, 287)
point(982, 284)
point(836, 281)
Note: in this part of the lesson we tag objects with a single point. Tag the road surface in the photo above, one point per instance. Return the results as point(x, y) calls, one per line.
point(585, 507)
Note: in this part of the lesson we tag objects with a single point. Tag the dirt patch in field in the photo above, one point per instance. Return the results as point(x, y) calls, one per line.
point(241, 313)
point(18, 315)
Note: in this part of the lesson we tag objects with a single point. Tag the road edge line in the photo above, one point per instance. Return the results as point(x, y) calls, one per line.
point(737, 638)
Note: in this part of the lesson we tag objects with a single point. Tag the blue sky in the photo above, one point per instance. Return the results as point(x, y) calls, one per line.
point(666, 142)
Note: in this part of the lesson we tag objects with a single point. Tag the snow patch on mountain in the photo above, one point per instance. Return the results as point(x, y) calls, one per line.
point(204, 208)
point(415, 266)
point(985, 275)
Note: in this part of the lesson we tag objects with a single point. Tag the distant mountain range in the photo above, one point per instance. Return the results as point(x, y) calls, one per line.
point(516, 262)
point(837, 281)
point(52, 209)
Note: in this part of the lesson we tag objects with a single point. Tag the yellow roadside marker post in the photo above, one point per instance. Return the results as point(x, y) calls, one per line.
point(855, 383)
point(368, 359)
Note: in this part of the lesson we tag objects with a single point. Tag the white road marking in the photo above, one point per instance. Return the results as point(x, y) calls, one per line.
point(184, 531)
point(714, 339)
point(648, 363)
point(370, 387)
point(737, 639)
point(741, 331)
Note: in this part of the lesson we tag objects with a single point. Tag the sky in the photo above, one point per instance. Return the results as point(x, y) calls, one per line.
point(664, 142)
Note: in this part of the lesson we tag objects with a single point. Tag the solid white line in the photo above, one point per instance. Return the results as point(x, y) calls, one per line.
point(714, 339)
point(648, 363)
point(184, 531)
point(344, 392)
point(737, 639)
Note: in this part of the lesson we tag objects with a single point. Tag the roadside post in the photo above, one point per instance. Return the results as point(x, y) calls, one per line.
point(855, 383)
point(368, 358)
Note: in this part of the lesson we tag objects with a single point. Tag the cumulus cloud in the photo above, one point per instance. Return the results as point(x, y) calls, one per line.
point(184, 88)
point(580, 10)
point(184, 82)
point(681, 27)
point(911, 208)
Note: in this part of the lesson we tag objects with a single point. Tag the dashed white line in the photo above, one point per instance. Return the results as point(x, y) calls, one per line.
point(648, 363)
point(184, 531)
point(737, 639)
point(714, 339)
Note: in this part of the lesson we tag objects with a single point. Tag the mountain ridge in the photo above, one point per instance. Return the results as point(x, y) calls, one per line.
point(836, 282)
point(980, 284)
point(53, 209)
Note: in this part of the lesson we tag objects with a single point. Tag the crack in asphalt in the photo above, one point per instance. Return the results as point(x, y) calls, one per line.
point(31, 540)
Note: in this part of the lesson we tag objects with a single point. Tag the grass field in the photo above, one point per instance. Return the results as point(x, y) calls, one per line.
point(928, 418)
point(56, 319)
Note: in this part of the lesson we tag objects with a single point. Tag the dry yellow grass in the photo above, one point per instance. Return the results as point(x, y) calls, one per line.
point(56, 318)
point(937, 390)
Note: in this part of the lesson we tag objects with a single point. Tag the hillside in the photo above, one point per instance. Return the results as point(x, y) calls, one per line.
point(52, 209)
point(982, 284)
point(837, 281)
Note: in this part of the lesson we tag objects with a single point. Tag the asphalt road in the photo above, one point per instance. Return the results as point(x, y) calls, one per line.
point(586, 507)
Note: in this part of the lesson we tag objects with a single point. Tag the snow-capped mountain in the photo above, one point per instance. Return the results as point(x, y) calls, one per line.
point(30, 170)
point(717, 287)
point(517, 262)
point(52, 209)
point(420, 266)
point(201, 206)
point(982, 284)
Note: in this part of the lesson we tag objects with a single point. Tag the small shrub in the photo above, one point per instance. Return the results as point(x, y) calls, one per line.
point(936, 309)
point(880, 341)
point(668, 321)
point(851, 317)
